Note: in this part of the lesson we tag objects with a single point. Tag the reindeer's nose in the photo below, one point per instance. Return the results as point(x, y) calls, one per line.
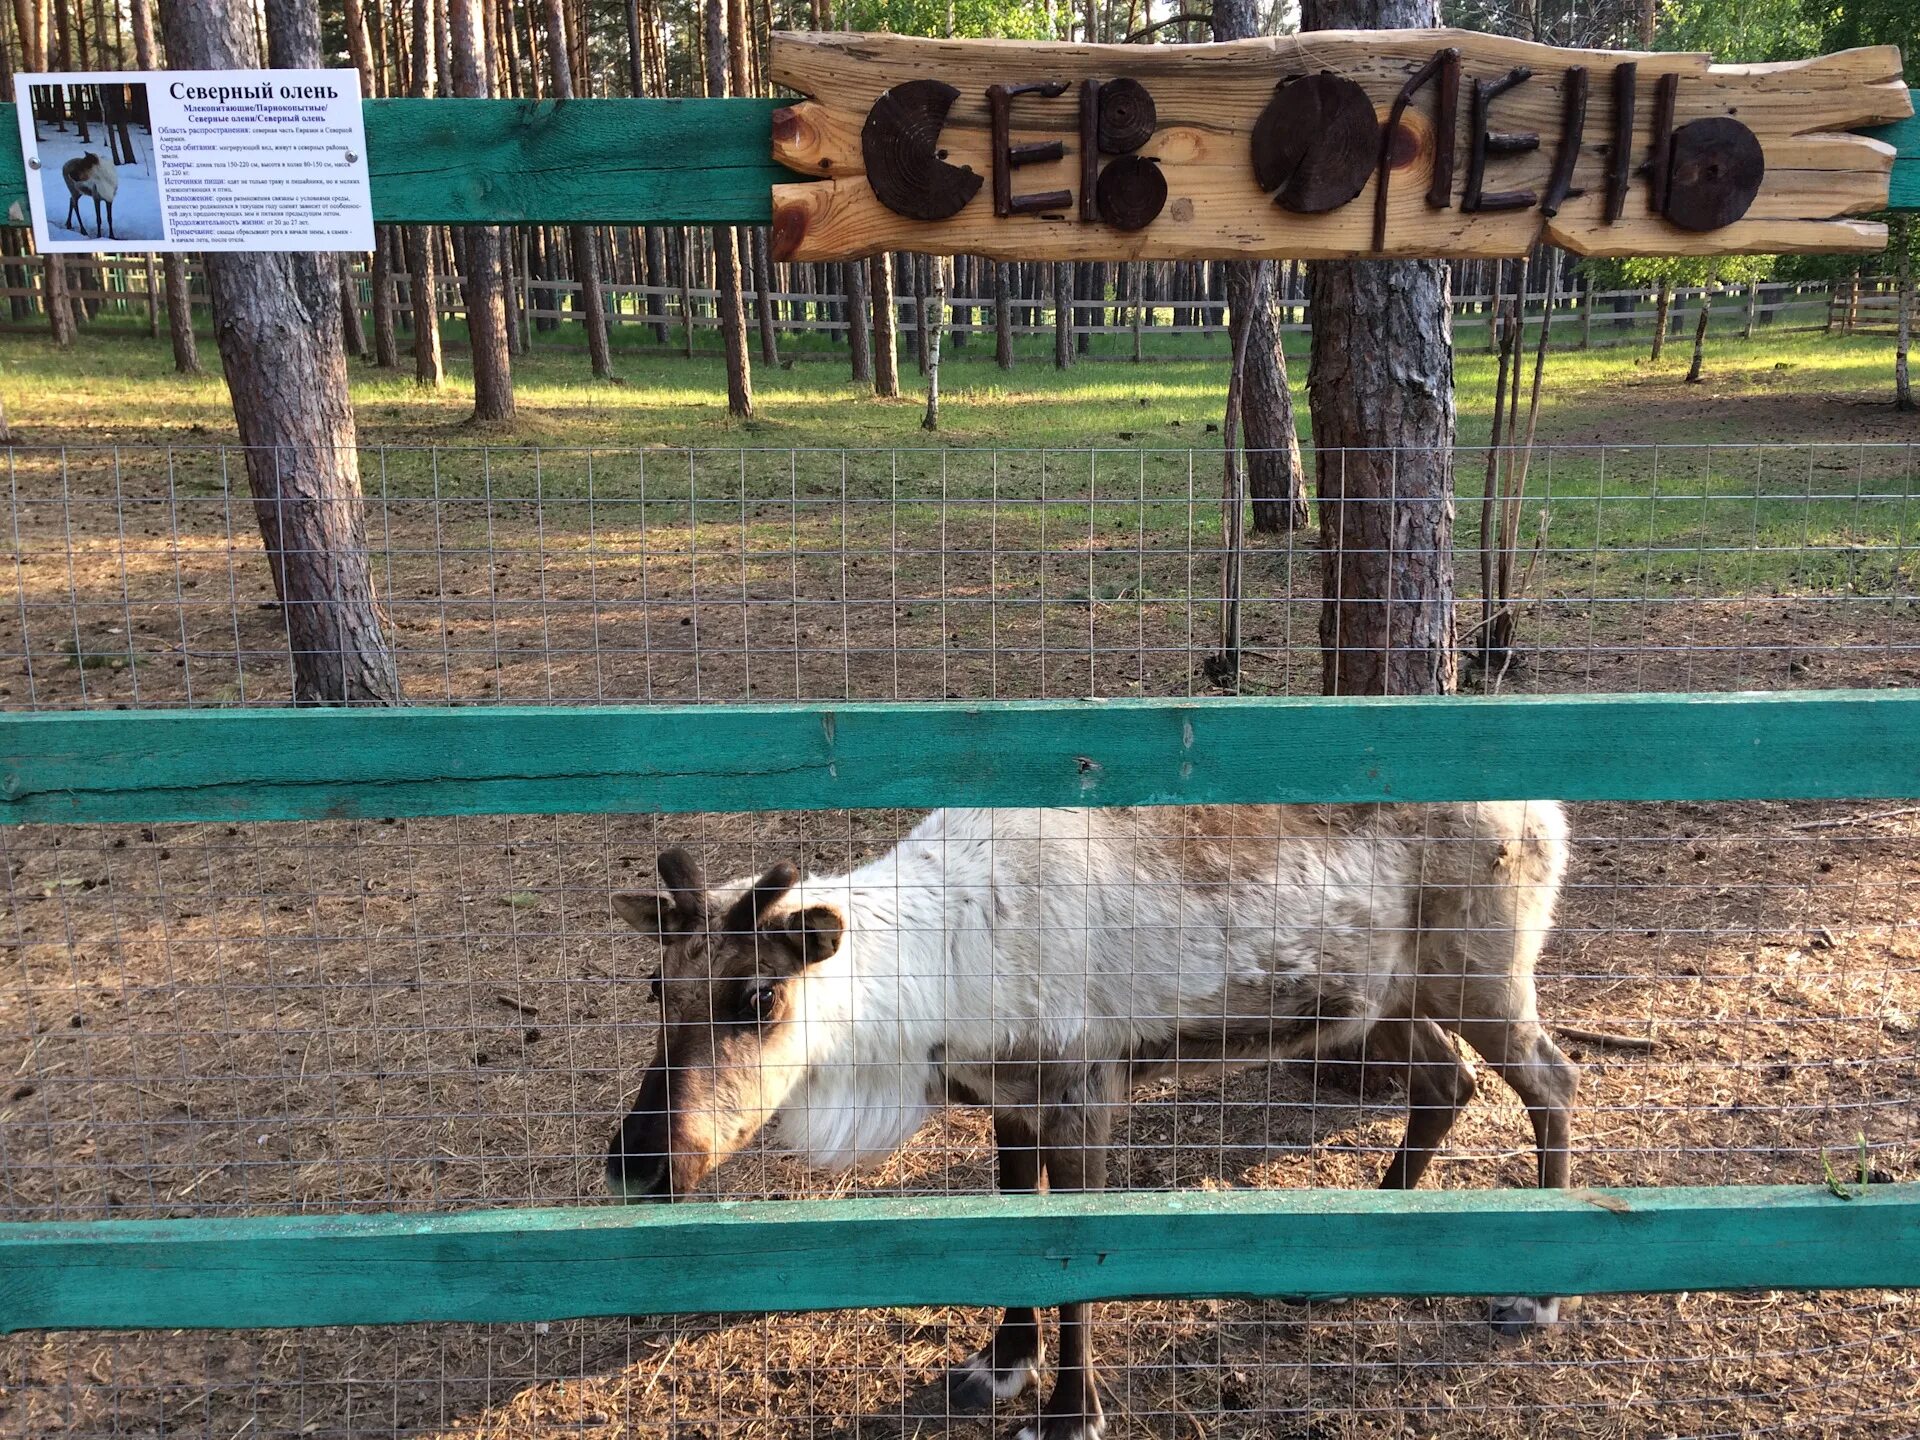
point(636, 1171)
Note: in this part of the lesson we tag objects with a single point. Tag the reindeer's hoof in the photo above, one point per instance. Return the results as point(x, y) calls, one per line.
point(975, 1384)
point(1325, 1301)
point(1523, 1314)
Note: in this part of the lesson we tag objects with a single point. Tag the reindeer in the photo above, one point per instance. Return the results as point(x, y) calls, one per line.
point(1043, 963)
point(91, 174)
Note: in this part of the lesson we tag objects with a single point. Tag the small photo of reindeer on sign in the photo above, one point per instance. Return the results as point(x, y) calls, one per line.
point(92, 165)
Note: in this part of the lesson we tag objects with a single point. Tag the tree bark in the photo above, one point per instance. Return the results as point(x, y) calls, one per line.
point(763, 296)
point(1700, 335)
point(1381, 391)
point(386, 347)
point(1002, 317)
point(1902, 382)
point(920, 266)
point(1662, 309)
point(726, 249)
point(686, 291)
point(173, 267)
point(859, 337)
point(935, 304)
point(581, 249)
point(486, 302)
point(277, 319)
point(423, 247)
point(886, 350)
point(352, 333)
point(1275, 479)
point(1062, 314)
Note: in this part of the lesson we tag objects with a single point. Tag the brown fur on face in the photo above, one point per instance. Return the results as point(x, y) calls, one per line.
point(726, 1041)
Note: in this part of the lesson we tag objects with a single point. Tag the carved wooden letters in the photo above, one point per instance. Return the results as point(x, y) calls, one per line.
point(1268, 147)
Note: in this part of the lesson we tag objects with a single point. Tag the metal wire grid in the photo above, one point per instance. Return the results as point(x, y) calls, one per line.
point(541, 575)
point(445, 1013)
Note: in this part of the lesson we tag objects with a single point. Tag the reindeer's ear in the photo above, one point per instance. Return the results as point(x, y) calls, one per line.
point(745, 914)
point(652, 914)
point(817, 931)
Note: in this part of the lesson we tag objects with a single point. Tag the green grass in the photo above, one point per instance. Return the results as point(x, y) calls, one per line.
point(1108, 451)
point(118, 386)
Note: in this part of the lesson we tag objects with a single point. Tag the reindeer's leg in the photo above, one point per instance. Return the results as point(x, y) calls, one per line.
point(1010, 1360)
point(1075, 1123)
point(74, 222)
point(96, 222)
point(1439, 1087)
point(1522, 1054)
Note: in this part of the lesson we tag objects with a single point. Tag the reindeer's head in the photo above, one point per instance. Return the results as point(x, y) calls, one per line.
point(731, 1048)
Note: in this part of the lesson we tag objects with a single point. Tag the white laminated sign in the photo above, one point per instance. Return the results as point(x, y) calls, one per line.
point(196, 160)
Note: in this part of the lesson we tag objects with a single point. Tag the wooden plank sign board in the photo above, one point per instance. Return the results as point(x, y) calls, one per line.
point(1331, 145)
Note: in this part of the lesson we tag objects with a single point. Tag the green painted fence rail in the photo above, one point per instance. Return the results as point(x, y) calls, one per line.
point(632, 162)
point(528, 1265)
point(191, 765)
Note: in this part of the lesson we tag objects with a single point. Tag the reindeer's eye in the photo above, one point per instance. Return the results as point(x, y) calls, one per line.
point(760, 1000)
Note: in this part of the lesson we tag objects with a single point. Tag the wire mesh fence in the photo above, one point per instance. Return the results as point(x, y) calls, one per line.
point(544, 575)
point(349, 1016)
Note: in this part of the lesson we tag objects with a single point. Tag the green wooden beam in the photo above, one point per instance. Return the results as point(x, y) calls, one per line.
point(529, 1265)
point(634, 162)
point(461, 162)
point(1904, 136)
point(190, 765)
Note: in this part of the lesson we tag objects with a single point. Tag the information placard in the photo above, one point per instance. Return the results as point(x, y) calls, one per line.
point(195, 160)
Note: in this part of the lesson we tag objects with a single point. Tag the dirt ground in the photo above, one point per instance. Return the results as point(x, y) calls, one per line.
point(432, 1014)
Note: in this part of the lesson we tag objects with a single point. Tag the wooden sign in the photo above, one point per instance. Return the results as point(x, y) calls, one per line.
point(1332, 145)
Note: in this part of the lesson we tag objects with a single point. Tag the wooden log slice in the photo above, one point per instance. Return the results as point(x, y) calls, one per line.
point(1131, 194)
point(1316, 143)
point(1717, 169)
point(900, 143)
point(1127, 117)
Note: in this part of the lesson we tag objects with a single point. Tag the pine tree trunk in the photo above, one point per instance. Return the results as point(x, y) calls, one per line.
point(59, 306)
point(657, 281)
point(1275, 480)
point(966, 283)
point(726, 250)
point(386, 348)
point(686, 291)
point(936, 304)
point(423, 245)
point(1700, 335)
point(1062, 314)
point(1902, 383)
point(886, 354)
point(423, 284)
point(859, 336)
point(486, 301)
point(589, 300)
point(763, 296)
point(512, 291)
point(353, 333)
point(1381, 392)
point(1002, 316)
point(277, 317)
point(919, 270)
point(173, 267)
